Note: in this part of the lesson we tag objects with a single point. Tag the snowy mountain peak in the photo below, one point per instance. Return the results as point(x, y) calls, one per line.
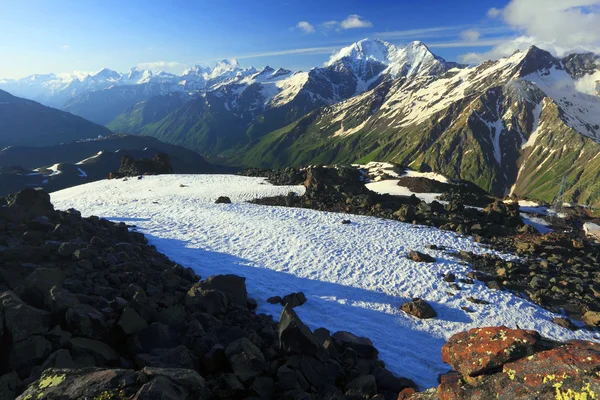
point(196, 70)
point(107, 74)
point(365, 49)
point(536, 59)
point(369, 55)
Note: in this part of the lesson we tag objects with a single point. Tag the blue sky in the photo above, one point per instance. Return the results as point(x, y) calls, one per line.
point(41, 36)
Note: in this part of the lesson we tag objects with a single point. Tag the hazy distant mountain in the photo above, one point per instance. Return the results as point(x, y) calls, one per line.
point(27, 123)
point(61, 166)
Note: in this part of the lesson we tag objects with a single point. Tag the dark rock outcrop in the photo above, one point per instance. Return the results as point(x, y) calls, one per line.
point(158, 165)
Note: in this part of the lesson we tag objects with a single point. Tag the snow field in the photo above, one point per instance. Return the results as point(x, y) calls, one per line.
point(355, 276)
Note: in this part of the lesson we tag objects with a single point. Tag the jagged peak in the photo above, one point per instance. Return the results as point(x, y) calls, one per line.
point(536, 59)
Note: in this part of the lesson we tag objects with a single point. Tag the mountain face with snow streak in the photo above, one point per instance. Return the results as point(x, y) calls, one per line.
point(527, 124)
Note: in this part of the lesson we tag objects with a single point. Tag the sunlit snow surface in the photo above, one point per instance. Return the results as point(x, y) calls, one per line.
point(355, 276)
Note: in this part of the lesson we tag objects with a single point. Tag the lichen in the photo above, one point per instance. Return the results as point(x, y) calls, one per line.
point(586, 393)
point(51, 381)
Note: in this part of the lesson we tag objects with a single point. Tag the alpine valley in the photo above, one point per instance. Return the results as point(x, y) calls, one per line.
point(528, 124)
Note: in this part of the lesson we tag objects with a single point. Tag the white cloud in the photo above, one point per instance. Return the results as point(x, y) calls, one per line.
point(558, 26)
point(470, 35)
point(305, 51)
point(494, 12)
point(462, 43)
point(355, 21)
point(306, 27)
point(330, 24)
point(163, 65)
point(65, 47)
point(436, 31)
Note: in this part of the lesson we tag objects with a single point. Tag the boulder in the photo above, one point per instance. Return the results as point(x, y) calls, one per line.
point(159, 164)
point(131, 322)
point(296, 338)
point(101, 352)
point(190, 380)
point(96, 383)
point(27, 353)
point(27, 204)
point(161, 388)
point(274, 300)
point(21, 320)
point(223, 200)
point(591, 318)
point(59, 300)
point(232, 285)
point(154, 336)
point(8, 385)
point(68, 384)
point(365, 384)
point(420, 257)
point(210, 301)
point(565, 323)
point(39, 283)
point(246, 360)
point(294, 299)
point(318, 373)
point(480, 350)
point(361, 345)
point(419, 308)
point(388, 382)
point(568, 371)
point(263, 387)
point(86, 321)
point(177, 357)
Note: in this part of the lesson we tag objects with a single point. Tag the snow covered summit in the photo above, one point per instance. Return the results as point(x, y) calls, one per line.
point(414, 59)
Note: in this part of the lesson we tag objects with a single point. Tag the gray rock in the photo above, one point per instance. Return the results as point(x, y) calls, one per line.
point(131, 322)
point(365, 384)
point(8, 385)
point(59, 300)
point(539, 283)
point(263, 387)
point(178, 357)
point(296, 338)
point(59, 359)
point(294, 299)
point(101, 352)
point(246, 360)
point(154, 336)
point(274, 300)
point(161, 388)
point(210, 301)
point(20, 319)
point(361, 345)
point(27, 353)
point(84, 320)
point(419, 308)
point(232, 285)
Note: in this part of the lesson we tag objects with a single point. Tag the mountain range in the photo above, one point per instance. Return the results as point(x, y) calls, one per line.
point(528, 124)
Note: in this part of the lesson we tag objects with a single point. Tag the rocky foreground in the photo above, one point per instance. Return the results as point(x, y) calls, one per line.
point(89, 310)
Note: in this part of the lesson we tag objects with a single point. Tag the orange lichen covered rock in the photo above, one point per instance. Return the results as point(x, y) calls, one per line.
point(483, 349)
